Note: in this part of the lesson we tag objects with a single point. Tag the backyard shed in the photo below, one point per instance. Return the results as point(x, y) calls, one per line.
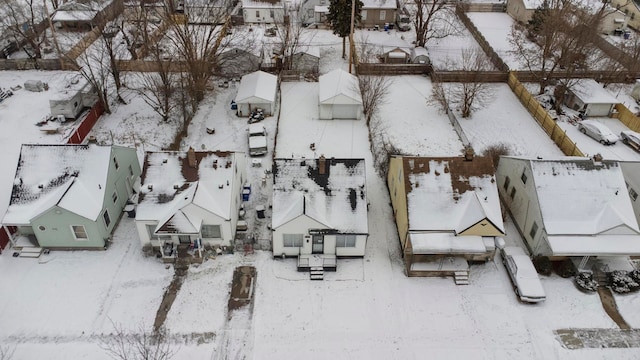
point(257, 91)
point(75, 95)
point(591, 98)
point(420, 55)
point(339, 96)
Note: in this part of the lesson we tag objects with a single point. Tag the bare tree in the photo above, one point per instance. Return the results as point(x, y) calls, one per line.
point(159, 87)
point(471, 93)
point(558, 37)
point(24, 22)
point(374, 90)
point(141, 346)
point(433, 19)
point(6, 352)
point(198, 48)
point(292, 36)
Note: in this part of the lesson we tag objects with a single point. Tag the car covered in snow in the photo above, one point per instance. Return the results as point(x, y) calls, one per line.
point(257, 140)
point(523, 274)
point(598, 131)
point(631, 138)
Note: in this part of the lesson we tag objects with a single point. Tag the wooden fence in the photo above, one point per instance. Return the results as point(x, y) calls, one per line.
point(477, 35)
point(627, 117)
point(392, 69)
point(86, 125)
point(470, 76)
point(543, 118)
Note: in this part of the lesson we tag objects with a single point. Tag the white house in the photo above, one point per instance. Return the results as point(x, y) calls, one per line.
point(571, 207)
point(78, 14)
point(75, 95)
point(186, 196)
point(631, 172)
point(319, 210)
point(263, 11)
point(591, 98)
point(447, 212)
point(257, 90)
point(339, 96)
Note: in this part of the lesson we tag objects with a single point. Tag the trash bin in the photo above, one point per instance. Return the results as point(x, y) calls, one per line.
point(245, 194)
point(260, 211)
point(131, 210)
point(234, 106)
point(626, 35)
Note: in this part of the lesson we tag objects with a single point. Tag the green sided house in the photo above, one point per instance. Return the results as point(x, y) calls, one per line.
point(69, 196)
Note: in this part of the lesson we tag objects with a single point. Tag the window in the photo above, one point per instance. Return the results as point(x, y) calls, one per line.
point(534, 230)
point(271, 14)
point(633, 194)
point(114, 197)
point(524, 177)
point(292, 240)
point(115, 163)
point(257, 13)
point(130, 170)
point(79, 232)
point(210, 231)
point(513, 192)
point(363, 15)
point(150, 231)
point(107, 219)
point(507, 180)
point(633, 15)
point(383, 14)
point(345, 241)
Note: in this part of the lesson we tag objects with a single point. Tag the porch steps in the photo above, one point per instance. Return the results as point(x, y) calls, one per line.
point(461, 277)
point(316, 273)
point(31, 252)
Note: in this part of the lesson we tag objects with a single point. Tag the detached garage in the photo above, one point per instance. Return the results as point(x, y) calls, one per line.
point(590, 98)
point(340, 96)
point(257, 91)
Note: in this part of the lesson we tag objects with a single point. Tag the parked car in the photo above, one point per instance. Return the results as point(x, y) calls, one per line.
point(257, 140)
point(523, 274)
point(631, 138)
point(598, 132)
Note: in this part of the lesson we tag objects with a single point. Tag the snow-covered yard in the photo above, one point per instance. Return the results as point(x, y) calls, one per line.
point(503, 120)
point(63, 304)
point(590, 147)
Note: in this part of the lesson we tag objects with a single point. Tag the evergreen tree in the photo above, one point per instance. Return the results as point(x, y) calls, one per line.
point(340, 18)
point(537, 19)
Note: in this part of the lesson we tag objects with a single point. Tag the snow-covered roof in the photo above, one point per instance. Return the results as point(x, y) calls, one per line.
point(378, 4)
point(419, 51)
point(79, 10)
point(72, 177)
point(170, 183)
point(446, 243)
point(266, 4)
point(590, 92)
point(72, 85)
point(339, 87)
point(603, 245)
point(578, 196)
point(335, 197)
point(309, 50)
point(532, 4)
point(450, 193)
point(258, 84)
point(77, 15)
point(321, 9)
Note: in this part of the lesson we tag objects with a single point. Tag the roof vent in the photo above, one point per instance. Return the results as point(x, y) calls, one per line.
point(150, 187)
point(164, 161)
point(220, 186)
point(228, 165)
point(176, 186)
point(215, 164)
point(41, 186)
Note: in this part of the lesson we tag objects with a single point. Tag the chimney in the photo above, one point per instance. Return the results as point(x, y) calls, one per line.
point(468, 153)
point(322, 165)
point(191, 157)
point(215, 164)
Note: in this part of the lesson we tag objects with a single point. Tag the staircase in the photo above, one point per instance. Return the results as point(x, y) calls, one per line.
point(316, 273)
point(461, 277)
point(31, 252)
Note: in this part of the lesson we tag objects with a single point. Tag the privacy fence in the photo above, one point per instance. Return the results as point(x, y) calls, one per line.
point(543, 118)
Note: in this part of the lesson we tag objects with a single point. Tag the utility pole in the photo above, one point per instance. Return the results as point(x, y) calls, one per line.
point(353, 14)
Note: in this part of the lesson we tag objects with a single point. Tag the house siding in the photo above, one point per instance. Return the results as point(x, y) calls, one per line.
point(482, 228)
point(57, 233)
point(398, 195)
point(524, 206)
point(299, 225)
point(631, 172)
point(373, 17)
point(250, 14)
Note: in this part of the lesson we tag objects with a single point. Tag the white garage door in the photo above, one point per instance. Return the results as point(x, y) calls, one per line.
point(344, 111)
